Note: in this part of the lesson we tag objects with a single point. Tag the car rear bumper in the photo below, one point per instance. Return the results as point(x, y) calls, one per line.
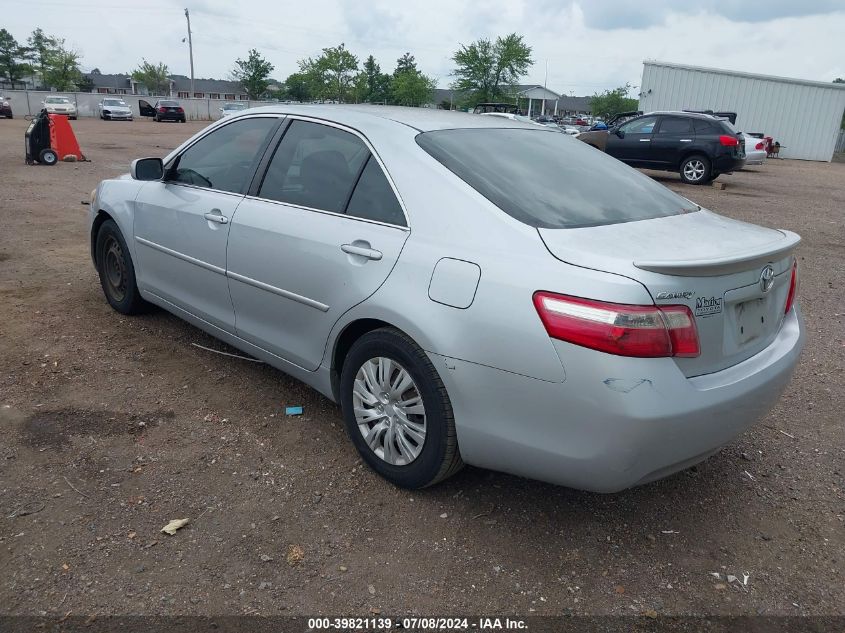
point(614, 422)
point(755, 157)
point(728, 163)
point(170, 116)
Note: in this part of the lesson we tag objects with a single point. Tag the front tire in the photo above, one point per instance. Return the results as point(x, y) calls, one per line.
point(117, 272)
point(397, 411)
point(695, 170)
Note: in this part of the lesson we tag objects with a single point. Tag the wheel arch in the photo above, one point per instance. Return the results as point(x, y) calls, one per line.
point(100, 217)
point(345, 339)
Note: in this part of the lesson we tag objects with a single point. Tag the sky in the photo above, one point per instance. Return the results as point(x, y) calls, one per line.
point(586, 45)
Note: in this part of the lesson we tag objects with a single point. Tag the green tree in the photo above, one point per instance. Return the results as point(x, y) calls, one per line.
point(406, 63)
point(253, 73)
point(296, 87)
point(839, 80)
point(331, 75)
point(371, 85)
point(63, 67)
point(612, 102)
point(412, 88)
point(487, 70)
point(12, 58)
point(41, 48)
point(154, 77)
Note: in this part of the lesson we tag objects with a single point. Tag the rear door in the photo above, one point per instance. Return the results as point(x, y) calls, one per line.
point(671, 139)
point(182, 222)
point(318, 235)
point(631, 142)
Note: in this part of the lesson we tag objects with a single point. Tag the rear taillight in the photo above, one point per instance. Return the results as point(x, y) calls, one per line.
point(179, 109)
point(162, 109)
point(793, 288)
point(760, 145)
point(624, 330)
point(728, 141)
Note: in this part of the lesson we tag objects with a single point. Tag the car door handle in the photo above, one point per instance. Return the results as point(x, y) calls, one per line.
point(216, 216)
point(369, 253)
point(685, 140)
point(645, 140)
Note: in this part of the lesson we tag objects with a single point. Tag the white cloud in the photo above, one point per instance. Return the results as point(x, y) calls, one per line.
point(589, 45)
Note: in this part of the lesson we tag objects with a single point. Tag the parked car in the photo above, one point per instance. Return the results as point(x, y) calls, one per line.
point(6, 107)
point(462, 288)
point(163, 110)
point(755, 149)
point(232, 108)
point(698, 146)
point(484, 108)
point(60, 105)
point(113, 108)
point(521, 119)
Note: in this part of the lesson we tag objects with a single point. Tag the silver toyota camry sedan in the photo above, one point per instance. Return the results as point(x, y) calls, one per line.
point(470, 289)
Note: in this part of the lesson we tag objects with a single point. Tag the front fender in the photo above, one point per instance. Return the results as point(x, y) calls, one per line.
point(115, 199)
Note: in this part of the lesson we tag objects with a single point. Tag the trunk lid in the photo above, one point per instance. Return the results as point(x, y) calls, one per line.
point(708, 262)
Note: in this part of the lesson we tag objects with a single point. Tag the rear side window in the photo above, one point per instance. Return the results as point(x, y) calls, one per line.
point(705, 127)
point(675, 125)
point(373, 198)
point(315, 166)
point(550, 180)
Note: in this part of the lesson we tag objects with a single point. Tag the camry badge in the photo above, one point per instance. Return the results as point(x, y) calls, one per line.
point(767, 278)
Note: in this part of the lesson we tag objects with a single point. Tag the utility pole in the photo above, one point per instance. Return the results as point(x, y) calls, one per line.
point(190, 51)
point(545, 86)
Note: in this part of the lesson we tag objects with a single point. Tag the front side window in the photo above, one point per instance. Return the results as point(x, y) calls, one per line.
point(315, 166)
point(644, 125)
point(549, 180)
point(224, 159)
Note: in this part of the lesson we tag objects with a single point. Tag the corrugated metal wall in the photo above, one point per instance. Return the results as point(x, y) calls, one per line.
point(804, 116)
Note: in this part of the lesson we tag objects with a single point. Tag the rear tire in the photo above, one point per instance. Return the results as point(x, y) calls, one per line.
point(406, 412)
point(48, 157)
point(117, 272)
point(695, 170)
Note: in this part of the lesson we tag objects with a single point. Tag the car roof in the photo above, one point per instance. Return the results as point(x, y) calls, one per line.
point(691, 115)
point(420, 119)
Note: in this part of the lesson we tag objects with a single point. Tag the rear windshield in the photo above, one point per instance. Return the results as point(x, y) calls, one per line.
point(169, 103)
point(550, 180)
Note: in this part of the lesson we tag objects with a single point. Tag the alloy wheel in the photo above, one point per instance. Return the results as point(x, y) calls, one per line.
point(694, 170)
point(389, 411)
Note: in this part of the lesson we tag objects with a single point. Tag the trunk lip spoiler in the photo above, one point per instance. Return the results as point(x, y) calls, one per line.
point(736, 262)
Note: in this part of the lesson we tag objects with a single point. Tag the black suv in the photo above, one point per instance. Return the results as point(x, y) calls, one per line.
point(698, 146)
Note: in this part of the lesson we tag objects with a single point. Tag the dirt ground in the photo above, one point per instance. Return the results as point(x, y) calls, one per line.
point(112, 426)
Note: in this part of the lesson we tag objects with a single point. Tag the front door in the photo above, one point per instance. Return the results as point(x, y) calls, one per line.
point(182, 222)
point(320, 236)
point(672, 137)
point(145, 108)
point(631, 142)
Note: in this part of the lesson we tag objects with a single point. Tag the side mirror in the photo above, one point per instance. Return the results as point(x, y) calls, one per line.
point(147, 169)
point(619, 133)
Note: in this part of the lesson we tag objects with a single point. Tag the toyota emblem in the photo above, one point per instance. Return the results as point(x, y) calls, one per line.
point(767, 278)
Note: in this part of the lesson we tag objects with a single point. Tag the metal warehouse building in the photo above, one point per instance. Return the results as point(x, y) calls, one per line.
point(804, 116)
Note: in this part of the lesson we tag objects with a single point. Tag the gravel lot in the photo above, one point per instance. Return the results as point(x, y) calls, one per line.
point(112, 426)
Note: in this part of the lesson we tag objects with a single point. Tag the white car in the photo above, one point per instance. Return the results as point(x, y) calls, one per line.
point(232, 108)
point(518, 117)
point(755, 150)
point(60, 105)
point(113, 108)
